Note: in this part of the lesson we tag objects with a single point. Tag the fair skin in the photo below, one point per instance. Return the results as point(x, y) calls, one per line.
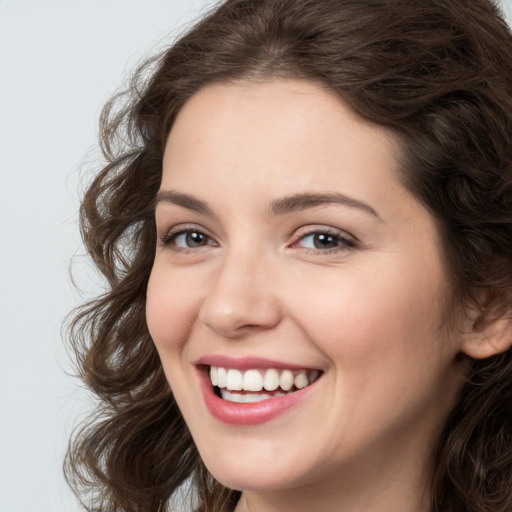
point(347, 280)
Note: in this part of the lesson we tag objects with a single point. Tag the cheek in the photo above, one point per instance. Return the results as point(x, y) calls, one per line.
point(388, 361)
point(373, 317)
point(171, 310)
point(171, 313)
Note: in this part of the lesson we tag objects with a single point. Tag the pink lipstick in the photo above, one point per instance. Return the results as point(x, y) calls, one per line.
point(251, 391)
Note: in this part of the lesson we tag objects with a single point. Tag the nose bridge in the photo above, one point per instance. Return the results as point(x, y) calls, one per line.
point(241, 295)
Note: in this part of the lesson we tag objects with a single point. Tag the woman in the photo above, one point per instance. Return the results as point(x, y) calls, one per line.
point(305, 223)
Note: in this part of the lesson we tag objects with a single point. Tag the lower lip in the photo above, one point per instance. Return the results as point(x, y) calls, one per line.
point(252, 413)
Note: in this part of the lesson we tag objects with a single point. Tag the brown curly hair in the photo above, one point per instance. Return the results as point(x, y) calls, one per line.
point(438, 74)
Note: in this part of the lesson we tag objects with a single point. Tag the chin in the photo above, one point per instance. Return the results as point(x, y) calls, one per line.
point(254, 467)
point(250, 478)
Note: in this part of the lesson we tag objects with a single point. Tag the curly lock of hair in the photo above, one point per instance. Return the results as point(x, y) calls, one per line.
point(435, 72)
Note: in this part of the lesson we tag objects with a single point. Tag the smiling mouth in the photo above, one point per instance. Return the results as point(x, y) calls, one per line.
point(256, 385)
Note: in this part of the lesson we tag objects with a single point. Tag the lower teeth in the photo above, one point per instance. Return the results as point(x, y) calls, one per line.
point(247, 398)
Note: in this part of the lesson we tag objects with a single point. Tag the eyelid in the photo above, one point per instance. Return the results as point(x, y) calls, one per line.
point(349, 241)
point(322, 228)
point(175, 231)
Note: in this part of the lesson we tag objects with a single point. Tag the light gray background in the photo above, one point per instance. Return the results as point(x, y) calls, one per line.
point(59, 62)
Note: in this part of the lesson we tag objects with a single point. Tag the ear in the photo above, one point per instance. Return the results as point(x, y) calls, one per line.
point(488, 334)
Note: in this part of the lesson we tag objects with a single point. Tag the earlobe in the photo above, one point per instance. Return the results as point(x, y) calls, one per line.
point(486, 337)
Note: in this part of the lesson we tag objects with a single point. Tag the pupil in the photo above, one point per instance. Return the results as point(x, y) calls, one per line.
point(195, 239)
point(323, 240)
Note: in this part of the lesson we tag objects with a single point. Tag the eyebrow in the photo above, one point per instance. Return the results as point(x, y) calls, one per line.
point(280, 206)
point(299, 202)
point(184, 200)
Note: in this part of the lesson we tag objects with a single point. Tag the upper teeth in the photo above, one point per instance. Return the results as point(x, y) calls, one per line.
point(256, 380)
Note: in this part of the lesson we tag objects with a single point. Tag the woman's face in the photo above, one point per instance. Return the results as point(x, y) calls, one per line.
point(291, 257)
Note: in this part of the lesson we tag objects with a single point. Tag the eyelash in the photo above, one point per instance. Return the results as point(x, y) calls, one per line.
point(170, 238)
point(344, 243)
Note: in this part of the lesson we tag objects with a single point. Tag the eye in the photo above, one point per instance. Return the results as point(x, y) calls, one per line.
point(187, 239)
point(190, 239)
point(325, 241)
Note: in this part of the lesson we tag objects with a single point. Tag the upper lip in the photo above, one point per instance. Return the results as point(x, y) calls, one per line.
point(247, 363)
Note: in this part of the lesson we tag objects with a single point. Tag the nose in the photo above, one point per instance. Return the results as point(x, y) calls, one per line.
point(242, 297)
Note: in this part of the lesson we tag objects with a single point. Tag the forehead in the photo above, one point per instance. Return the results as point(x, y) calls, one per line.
point(275, 129)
